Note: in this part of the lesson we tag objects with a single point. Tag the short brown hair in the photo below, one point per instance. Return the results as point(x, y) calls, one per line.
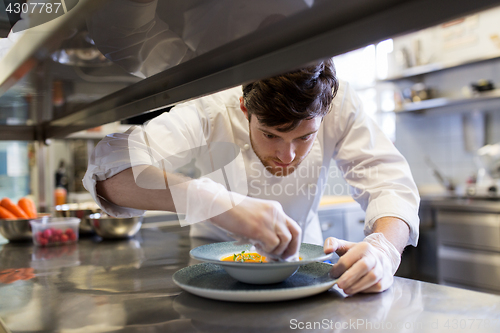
point(284, 101)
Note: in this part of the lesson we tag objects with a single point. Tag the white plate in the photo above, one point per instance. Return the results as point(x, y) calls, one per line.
point(211, 281)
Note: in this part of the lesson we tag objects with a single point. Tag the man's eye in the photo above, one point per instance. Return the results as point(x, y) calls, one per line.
point(305, 138)
point(269, 136)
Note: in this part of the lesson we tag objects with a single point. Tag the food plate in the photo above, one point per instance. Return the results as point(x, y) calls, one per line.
point(211, 281)
point(256, 273)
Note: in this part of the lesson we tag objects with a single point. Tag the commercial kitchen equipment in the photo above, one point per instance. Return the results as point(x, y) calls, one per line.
point(468, 239)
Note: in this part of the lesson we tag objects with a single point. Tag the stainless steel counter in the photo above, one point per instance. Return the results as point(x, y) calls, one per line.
point(126, 286)
point(468, 242)
point(485, 205)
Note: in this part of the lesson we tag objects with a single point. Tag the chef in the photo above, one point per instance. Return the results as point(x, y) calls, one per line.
point(263, 153)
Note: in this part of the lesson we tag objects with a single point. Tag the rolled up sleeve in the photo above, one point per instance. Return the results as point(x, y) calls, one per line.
point(166, 142)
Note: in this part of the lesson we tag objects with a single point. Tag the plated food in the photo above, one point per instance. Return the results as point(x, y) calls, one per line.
point(256, 272)
point(245, 257)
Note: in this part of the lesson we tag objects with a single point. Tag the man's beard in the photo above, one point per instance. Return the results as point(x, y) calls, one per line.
point(275, 170)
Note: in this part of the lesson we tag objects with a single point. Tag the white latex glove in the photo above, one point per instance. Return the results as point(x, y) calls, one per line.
point(262, 223)
point(367, 266)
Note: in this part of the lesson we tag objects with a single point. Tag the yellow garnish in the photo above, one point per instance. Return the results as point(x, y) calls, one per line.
point(245, 257)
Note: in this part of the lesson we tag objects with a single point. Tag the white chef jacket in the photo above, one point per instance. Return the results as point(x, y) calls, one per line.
point(378, 174)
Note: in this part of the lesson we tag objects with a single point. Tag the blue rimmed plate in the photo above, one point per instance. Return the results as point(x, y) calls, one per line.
point(211, 281)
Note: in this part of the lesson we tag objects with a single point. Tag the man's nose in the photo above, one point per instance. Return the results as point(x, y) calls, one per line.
point(287, 153)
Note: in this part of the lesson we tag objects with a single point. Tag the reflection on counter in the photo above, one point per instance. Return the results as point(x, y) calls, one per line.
point(11, 275)
point(126, 253)
point(46, 258)
point(402, 303)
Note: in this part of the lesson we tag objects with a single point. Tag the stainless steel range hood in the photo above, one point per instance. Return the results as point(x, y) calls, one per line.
point(325, 29)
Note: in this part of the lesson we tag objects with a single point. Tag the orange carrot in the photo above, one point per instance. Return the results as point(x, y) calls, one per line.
point(28, 206)
point(6, 214)
point(13, 208)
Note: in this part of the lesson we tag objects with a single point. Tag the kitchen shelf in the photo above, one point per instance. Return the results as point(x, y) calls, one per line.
point(327, 29)
point(435, 67)
point(484, 100)
point(99, 133)
point(37, 43)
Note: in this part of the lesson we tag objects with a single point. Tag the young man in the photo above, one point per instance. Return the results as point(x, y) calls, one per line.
point(264, 152)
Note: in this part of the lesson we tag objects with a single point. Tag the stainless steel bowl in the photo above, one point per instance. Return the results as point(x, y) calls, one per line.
point(81, 211)
point(18, 229)
point(115, 227)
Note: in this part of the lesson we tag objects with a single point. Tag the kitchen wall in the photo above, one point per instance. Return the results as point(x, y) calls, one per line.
point(437, 134)
point(440, 137)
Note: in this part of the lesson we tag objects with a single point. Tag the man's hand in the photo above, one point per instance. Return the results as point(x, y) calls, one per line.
point(250, 220)
point(367, 266)
point(263, 223)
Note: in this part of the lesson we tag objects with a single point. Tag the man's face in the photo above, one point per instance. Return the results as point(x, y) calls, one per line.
point(282, 152)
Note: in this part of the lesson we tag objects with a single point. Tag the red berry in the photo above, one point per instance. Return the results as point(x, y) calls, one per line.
point(64, 238)
point(58, 232)
point(54, 239)
point(47, 233)
point(43, 241)
point(69, 231)
point(72, 237)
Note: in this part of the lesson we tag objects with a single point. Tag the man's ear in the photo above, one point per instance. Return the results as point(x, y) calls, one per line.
point(243, 108)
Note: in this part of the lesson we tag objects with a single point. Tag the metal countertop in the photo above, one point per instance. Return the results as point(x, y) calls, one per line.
point(126, 286)
point(473, 204)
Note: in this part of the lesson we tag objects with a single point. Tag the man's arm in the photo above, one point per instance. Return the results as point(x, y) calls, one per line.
point(260, 221)
point(379, 175)
point(383, 186)
point(122, 190)
point(395, 231)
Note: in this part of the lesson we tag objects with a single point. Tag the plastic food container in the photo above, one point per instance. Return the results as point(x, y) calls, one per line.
point(50, 231)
